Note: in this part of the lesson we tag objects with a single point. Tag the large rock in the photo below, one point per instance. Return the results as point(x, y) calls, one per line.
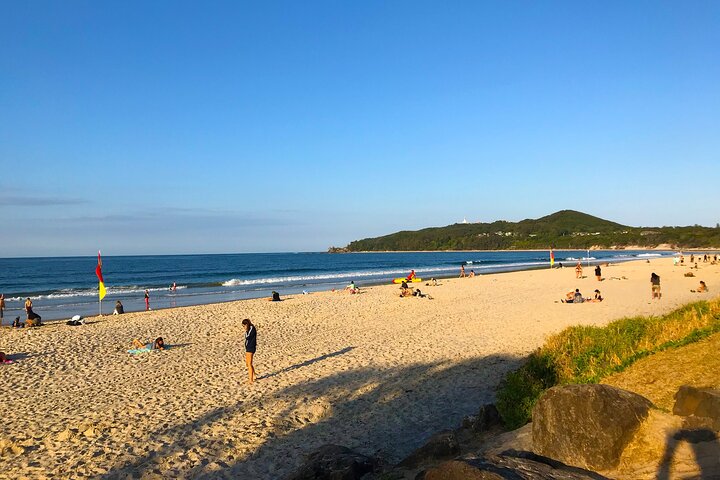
point(587, 425)
point(511, 466)
point(334, 462)
point(700, 402)
point(441, 446)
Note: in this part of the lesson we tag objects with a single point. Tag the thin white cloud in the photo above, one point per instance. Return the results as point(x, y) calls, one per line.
point(28, 201)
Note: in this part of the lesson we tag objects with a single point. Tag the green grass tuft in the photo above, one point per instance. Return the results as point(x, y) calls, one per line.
point(584, 354)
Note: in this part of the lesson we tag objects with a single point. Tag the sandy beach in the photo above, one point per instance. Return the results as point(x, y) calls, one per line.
point(372, 371)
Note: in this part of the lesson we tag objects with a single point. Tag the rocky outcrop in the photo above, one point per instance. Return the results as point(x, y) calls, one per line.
point(587, 425)
point(511, 466)
point(334, 462)
point(442, 445)
point(702, 403)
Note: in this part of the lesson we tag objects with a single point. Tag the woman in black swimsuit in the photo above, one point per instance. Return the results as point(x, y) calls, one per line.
point(250, 347)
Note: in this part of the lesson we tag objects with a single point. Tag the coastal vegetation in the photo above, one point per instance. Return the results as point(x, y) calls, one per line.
point(586, 354)
point(566, 229)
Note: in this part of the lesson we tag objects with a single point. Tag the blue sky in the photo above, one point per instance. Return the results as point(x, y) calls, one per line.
point(189, 127)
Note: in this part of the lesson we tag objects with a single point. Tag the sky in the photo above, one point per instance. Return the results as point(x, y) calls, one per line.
point(217, 127)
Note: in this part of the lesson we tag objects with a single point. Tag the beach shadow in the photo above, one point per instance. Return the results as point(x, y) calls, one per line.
point(24, 355)
point(706, 448)
point(386, 413)
point(307, 362)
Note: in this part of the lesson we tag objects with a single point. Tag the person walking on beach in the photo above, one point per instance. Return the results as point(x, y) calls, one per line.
point(462, 271)
point(655, 284)
point(250, 347)
point(2, 307)
point(598, 273)
point(147, 300)
point(578, 270)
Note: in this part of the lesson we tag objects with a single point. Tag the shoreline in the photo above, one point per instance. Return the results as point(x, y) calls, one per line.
point(372, 371)
point(63, 307)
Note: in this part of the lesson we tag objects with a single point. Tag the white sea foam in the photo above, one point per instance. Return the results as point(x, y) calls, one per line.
point(649, 255)
point(93, 292)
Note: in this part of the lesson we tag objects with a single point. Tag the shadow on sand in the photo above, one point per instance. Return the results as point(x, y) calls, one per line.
point(387, 413)
point(705, 446)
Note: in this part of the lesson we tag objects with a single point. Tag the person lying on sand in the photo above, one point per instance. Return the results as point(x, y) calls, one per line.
point(701, 289)
point(158, 344)
point(4, 358)
point(432, 283)
point(419, 294)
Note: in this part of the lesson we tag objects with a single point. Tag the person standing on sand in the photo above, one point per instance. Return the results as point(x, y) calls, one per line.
point(250, 347)
point(147, 300)
point(578, 270)
point(462, 271)
point(2, 307)
point(598, 273)
point(655, 284)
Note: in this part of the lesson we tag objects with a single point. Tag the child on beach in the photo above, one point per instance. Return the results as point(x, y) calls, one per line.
point(250, 347)
point(655, 286)
point(701, 289)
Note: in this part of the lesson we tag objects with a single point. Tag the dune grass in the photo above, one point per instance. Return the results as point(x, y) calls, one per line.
point(585, 354)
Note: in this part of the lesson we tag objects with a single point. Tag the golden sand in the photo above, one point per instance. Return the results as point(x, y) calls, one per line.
point(372, 371)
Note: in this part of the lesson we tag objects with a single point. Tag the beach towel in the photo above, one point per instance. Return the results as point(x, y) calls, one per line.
point(137, 351)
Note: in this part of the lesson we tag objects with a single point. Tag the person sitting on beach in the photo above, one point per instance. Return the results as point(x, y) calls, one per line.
point(472, 273)
point(16, 323)
point(352, 288)
point(597, 298)
point(158, 344)
point(578, 270)
point(573, 297)
point(119, 309)
point(433, 282)
point(701, 289)
point(275, 297)
point(33, 319)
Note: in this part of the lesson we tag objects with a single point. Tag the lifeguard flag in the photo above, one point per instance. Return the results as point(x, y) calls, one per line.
point(552, 258)
point(98, 272)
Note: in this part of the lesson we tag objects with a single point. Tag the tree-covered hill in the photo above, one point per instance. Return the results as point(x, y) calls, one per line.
point(566, 229)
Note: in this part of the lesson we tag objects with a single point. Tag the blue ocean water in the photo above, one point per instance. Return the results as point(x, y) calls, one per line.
point(64, 286)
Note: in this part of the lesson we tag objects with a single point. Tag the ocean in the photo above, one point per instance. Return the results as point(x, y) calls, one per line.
point(61, 287)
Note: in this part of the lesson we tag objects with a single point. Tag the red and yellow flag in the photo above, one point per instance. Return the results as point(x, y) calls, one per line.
point(98, 272)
